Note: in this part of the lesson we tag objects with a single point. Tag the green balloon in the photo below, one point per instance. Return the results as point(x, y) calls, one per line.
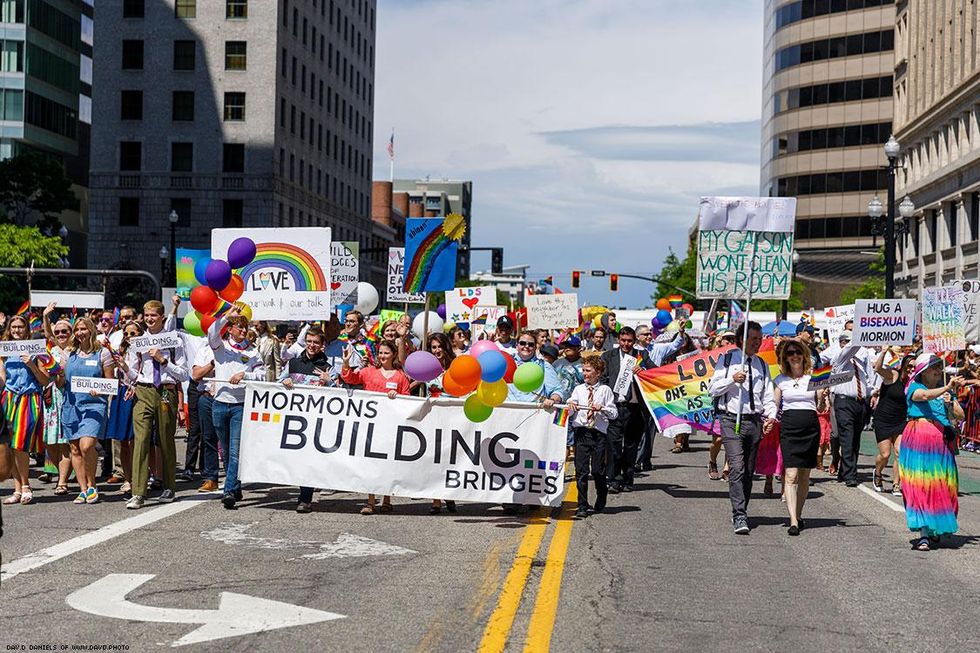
point(475, 410)
point(528, 377)
point(192, 324)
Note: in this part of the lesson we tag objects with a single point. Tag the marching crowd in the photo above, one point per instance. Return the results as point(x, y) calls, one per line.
point(921, 404)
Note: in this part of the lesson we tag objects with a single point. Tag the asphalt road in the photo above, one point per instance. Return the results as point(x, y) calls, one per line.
point(660, 571)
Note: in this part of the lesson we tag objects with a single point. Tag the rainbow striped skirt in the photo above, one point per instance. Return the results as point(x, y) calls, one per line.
point(930, 481)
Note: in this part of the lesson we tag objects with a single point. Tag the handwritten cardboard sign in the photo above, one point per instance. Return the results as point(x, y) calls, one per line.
point(551, 311)
point(943, 319)
point(462, 303)
point(12, 348)
point(162, 340)
point(86, 384)
point(396, 280)
point(485, 320)
point(883, 322)
point(971, 288)
point(344, 272)
point(730, 263)
point(836, 317)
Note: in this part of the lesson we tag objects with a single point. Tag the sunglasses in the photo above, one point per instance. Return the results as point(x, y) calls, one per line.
point(62, 332)
point(526, 343)
point(794, 352)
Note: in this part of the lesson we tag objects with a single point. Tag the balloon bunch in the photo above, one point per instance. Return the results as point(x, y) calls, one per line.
point(664, 319)
point(483, 374)
point(220, 288)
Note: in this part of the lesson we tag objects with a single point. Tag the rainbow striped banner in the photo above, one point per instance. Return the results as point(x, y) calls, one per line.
point(677, 393)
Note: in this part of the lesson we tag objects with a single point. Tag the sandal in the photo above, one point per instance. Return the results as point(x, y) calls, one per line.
point(12, 499)
point(367, 510)
point(26, 496)
point(724, 473)
point(677, 449)
point(921, 544)
point(61, 490)
point(713, 472)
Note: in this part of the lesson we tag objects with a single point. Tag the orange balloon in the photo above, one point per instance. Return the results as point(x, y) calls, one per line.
point(465, 370)
point(663, 304)
point(233, 290)
point(453, 387)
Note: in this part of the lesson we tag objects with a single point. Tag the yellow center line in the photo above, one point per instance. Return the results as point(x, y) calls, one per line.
point(546, 604)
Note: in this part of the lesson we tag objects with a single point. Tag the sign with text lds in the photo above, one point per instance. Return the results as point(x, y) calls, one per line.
point(552, 311)
point(344, 272)
point(943, 319)
point(883, 322)
point(12, 348)
point(87, 384)
point(162, 340)
point(733, 264)
point(289, 278)
point(364, 442)
point(461, 303)
point(396, 280)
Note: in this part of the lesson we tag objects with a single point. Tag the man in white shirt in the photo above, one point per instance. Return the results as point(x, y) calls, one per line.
point(156, 374)
point(742, 386)
point(849, 401)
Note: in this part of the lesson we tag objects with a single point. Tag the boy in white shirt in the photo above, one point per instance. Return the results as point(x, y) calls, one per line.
point(593, 405)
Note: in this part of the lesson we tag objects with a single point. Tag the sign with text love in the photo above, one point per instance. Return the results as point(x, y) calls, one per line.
point(289, 278)
point(87, 384)
point(364, 442)
point(12, 348)
point(731, 264)
point(552, 311)
point(485, 320)
point(883, 322)
point(837, 317)
point(396, 280)
point(943, 319)
point(971, 290)
point(461, 303)
point(344, 272)
point(162, 340)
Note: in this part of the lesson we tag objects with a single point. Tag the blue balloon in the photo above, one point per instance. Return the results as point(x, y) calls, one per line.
point(664, 317)
point(493, 366)
point(199, 269)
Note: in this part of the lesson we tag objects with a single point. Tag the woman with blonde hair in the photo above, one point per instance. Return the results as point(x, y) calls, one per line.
point(797, 407)
point(56, 445)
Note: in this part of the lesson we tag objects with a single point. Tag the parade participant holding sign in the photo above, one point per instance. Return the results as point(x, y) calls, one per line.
point(625, 431)
point(55, 445)
point(849, 403)
point(593, 405)
point(83, 416)
point(891, 416)
point(742, 383)
point(796, 409)
point(440, 347)
point(926, 460)
point(388, 378)
point(21, 402)
point(156, 374)
point(120, 425)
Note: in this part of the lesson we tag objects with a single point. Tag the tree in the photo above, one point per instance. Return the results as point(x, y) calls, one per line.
point(21, 247)
point(33, 185)
point(872, 288)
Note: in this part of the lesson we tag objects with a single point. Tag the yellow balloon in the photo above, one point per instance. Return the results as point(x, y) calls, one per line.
point(597, 322)
point(448, 326)
point(492, 394)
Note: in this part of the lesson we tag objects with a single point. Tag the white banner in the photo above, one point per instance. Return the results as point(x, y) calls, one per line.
point(462, 303)
point(408, 446)
point(67, 298)
point(837, 317)
point(883, 322)
point(971, 287)
point(747, 213)
point(829, 381)
point(344, 271)
point(551, 311)
point(86, 384)
point(11, 348)
point(621, 387)
point(162, 340)
point(730, 262)
point(289, 279)
point(396, 280)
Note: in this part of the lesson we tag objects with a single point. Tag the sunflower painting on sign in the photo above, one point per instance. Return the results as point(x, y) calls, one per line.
point(430, 252)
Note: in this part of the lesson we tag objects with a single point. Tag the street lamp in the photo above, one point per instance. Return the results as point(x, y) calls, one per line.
point(164, 253)
point(173, 217)
point(875, 211)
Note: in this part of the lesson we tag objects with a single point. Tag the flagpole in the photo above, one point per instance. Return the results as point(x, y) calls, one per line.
point(745, 333)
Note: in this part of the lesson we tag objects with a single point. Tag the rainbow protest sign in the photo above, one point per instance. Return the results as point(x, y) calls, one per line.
point(430, 252)
point(677, 393)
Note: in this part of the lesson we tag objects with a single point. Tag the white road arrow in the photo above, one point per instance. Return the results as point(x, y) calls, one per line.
point(237, 614)
point(347, 545)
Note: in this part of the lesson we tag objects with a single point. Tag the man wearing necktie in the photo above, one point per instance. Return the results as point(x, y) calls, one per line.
point(742, 385)
point(849, 403)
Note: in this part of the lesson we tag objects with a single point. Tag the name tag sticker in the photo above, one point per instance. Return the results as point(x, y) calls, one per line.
point(391, 385)
point(91, 363)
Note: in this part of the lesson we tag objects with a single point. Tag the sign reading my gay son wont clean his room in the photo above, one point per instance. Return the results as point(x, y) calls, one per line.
point(728, 259)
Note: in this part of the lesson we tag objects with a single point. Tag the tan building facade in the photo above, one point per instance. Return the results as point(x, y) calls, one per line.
point(937, 123)
point(827, 110)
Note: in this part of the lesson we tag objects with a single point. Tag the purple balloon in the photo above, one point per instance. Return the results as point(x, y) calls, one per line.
point(241, 252)
point(481, 346)
point(422, 366)
point(218, 275)
point(441, 311)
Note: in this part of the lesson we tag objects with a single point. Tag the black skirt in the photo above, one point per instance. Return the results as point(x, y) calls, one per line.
point(799, 438)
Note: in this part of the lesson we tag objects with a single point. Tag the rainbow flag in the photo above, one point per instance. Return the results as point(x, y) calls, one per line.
point(24, 308)
point(820, 374)
point(115, 315)
point(374, 333)
point(561, 417)
point(34, 321)
point(676, 301)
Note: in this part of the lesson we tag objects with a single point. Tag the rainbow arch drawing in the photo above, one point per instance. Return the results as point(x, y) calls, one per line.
point(300, 264)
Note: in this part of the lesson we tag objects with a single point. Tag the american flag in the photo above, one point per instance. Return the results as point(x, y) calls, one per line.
point(391, 146)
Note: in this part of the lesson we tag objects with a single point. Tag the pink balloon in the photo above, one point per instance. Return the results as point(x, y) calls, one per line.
point(481, 346)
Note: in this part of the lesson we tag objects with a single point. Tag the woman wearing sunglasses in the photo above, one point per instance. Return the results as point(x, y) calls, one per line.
point(120, 426)
point(55, 444)
point(800, 428)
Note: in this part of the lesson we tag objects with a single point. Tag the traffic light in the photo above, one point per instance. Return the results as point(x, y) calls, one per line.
point(614, 282)
point(497, 260)
point(576, 278)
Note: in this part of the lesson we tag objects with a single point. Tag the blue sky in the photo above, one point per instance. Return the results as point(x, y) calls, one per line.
point(589, 128)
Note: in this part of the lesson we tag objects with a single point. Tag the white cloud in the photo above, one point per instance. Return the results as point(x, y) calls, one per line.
point(575, 117)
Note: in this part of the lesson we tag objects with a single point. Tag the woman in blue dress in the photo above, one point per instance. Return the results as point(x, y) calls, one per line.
point(83, 415)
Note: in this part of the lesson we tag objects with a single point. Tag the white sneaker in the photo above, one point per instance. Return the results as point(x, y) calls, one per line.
point(136, 502)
